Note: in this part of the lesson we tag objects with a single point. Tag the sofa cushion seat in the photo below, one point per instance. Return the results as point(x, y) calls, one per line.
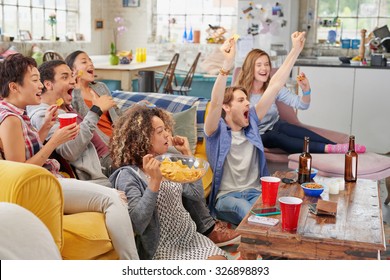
point(370, 165)
point(86, 237)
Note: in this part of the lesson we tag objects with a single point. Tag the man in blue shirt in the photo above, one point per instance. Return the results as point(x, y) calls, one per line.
point(233, 144)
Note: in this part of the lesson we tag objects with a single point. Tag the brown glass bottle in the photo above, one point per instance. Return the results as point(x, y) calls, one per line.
point(304, 168)
point(351, 162)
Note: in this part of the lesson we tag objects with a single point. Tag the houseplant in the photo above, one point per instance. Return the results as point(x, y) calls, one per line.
point(52, 21)
point(118, 30)
point(114, 59)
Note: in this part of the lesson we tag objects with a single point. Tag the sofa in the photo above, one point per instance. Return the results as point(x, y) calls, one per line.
point(81, 236)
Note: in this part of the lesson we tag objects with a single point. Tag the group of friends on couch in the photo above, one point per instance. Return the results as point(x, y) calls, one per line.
point(113, 153)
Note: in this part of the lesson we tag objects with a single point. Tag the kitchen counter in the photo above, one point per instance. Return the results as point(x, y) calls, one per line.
point(331, 61)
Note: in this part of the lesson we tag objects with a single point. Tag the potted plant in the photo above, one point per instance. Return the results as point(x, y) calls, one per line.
point(114, 59)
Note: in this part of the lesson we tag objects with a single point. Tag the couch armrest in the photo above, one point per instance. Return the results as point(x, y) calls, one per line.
point(35, 189)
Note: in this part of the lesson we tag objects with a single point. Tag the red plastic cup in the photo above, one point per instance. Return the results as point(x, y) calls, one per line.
point(269, 190)
point(67, 119)
point(290, 208)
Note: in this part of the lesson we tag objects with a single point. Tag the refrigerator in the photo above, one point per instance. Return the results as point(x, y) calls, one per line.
point(267, 25)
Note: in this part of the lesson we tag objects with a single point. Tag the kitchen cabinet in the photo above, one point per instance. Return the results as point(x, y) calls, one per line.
point(371, 120)
point(331, 98)
point(353, 100)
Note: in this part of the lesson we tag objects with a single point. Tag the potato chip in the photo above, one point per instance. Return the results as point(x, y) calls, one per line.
point(179, 172)
point(59, 102)
point(300, 78)
point(236, 37)
point(80, 73)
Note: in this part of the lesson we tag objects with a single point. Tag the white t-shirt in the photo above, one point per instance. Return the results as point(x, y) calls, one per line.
point(238, 173)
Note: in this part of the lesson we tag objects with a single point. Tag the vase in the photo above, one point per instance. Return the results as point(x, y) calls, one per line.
point(114, 59)
point(53, 35)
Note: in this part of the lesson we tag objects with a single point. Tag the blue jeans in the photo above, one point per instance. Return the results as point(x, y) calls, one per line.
point(232, 207)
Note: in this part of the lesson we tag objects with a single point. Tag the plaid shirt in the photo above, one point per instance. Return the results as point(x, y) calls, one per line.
point(31, 137)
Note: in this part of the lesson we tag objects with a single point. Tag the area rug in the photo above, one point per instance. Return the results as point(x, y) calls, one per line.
point(233, 254)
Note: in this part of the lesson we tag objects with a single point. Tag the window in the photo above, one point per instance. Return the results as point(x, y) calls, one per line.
point(348, 17)
point(172, 17)
point(33, 15)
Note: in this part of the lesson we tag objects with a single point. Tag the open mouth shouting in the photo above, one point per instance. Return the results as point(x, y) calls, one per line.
point(246, 115)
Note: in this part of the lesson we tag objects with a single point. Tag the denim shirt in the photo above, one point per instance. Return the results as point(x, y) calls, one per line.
point(218, 146)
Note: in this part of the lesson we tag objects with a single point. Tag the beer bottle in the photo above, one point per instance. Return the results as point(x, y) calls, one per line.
point(351, 162)
point(304, 163)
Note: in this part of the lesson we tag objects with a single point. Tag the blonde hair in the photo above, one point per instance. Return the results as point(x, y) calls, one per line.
point(247, 72)
point(132, 133)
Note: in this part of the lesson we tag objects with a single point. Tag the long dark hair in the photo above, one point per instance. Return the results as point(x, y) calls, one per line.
point(72, 57)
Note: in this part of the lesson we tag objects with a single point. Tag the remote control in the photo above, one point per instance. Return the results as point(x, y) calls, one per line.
point(262, 220)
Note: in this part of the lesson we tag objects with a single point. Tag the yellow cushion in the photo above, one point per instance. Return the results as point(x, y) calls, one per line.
point(36, 189)
point(86, 237)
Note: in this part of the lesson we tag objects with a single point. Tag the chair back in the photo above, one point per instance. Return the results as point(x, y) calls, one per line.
point(51, 55)
point(186, 85)
point(169, 76)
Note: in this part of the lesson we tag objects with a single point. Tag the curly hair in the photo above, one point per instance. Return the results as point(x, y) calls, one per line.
point(13, 69)
point(132, 134)
point(247, 73)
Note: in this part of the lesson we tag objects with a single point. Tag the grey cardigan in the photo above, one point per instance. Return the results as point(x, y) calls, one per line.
point(79, 152)
point(142, 206)
point(79, 105)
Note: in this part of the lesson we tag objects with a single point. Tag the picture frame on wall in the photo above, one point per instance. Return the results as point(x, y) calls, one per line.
point(130, 3)
point(99, 24)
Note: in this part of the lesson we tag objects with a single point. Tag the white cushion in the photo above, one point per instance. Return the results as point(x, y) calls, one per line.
point(23, 236)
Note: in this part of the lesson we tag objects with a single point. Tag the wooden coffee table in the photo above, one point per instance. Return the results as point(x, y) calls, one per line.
point(355, 233)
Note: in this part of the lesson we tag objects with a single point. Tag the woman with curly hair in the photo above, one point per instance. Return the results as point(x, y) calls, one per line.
point(163, 226)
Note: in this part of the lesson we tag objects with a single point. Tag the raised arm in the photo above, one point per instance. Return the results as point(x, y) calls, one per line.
point(279, 79)
point(217, 95)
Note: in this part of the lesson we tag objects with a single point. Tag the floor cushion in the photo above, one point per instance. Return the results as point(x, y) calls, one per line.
point(370, 165)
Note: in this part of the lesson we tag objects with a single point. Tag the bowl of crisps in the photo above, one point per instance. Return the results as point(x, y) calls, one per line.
point(312, 189)
point(182, 169)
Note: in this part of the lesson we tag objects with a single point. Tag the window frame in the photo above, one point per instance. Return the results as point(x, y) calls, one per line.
point(46, 10)
point(379, 17)
point(220, 17)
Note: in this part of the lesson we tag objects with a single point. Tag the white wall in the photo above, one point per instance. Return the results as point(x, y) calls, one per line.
point(136, 19)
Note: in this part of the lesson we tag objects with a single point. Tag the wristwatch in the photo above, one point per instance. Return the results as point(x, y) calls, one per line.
point(97, 110)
